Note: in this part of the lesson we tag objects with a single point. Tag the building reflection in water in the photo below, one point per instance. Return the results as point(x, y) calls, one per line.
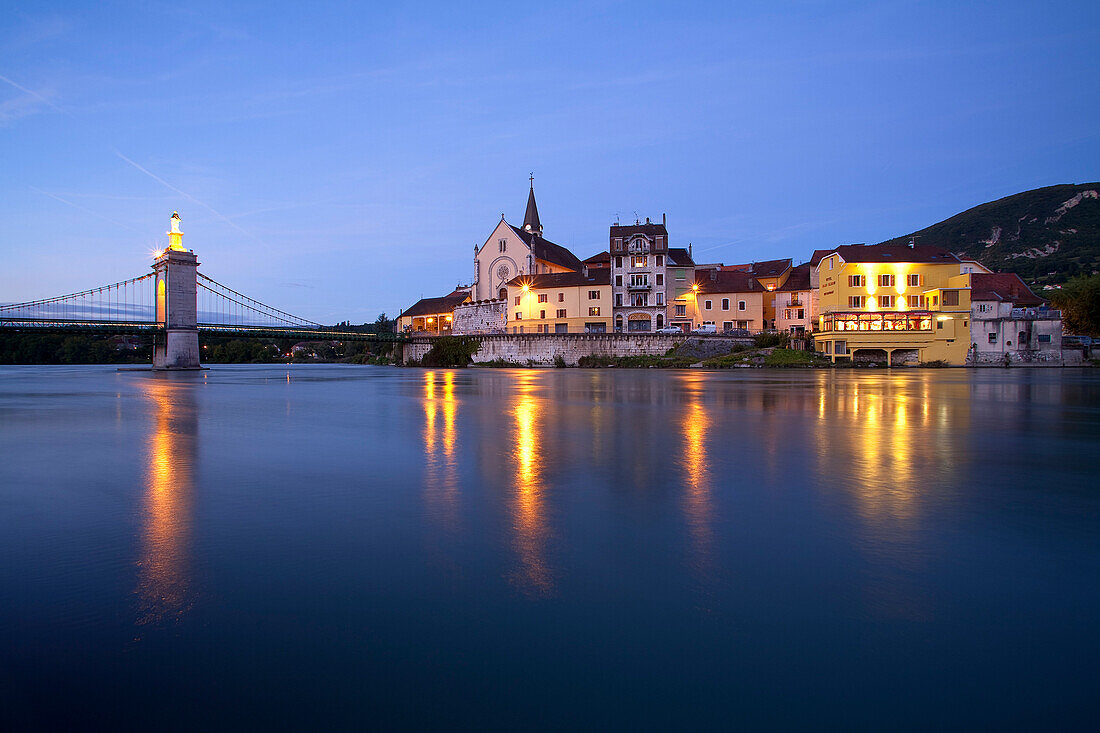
point(164, 574)
point(440, 441)
point(528, 505)
point(895, 448)
point(698, 506)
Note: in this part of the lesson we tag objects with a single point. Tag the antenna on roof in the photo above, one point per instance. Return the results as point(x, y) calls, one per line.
point(636, 219)
point(913, 241)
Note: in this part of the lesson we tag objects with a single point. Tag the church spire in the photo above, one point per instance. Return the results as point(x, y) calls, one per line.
point(531, 218)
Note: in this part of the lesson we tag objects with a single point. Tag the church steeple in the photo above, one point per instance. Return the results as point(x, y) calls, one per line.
point(531, 218)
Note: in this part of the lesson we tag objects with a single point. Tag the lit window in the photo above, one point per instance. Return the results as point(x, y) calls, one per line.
point(886, 281)
point(594, 311)
point(542, 297)
point(886, 301)
point(914, 280)
point(855, 301)
point(915, 301)
point(857, 281)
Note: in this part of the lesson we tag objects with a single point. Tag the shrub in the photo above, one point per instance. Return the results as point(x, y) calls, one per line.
point(766, 340)
point(559, 362)
point(451, 351)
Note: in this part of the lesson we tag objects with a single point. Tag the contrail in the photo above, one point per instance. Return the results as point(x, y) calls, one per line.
point(86, 211)
point(186, 195)
point(34, 94)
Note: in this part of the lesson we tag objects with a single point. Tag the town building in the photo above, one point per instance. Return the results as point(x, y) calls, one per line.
point(513, 251)
point(560, 302)
point(894, 303)
point(432, 316)
point(728, 299)
point(793, 299)
point(770, 274)
point(1009, 323)
point(650, 281)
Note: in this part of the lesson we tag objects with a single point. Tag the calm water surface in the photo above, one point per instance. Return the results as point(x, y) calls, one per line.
point(334, 546)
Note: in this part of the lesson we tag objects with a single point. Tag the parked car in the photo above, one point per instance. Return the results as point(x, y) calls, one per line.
point(742, 332)
point(670, 329)
point(705, 328)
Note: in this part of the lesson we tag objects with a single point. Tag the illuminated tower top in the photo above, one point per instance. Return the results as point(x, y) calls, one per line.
point(175, 236)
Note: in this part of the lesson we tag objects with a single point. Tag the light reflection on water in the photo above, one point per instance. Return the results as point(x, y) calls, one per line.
point(451, 532)
point(164, 583)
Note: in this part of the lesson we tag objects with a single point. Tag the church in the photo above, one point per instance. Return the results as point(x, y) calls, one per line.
point(511, 251)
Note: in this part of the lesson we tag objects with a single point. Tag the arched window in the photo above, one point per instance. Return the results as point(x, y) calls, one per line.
point(503, 294)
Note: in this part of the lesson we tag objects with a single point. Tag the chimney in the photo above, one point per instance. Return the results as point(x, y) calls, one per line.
point(647, 221)
point(584, 270)
point(689, 251)
point(664, 221)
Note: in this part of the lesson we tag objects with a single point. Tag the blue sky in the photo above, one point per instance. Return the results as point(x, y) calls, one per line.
point(338, 160)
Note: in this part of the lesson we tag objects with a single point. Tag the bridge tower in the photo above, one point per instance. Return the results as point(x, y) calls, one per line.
point(177, 304)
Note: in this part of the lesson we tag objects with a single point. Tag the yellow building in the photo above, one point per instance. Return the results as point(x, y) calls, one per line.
point(895, 303)
point(562, 302)
point(729, 299)
point(432, 316)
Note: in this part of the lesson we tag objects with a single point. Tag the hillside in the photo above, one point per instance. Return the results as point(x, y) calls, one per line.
point(1046, 235)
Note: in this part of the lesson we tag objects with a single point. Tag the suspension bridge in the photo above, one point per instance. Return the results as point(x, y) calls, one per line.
point(174, 304)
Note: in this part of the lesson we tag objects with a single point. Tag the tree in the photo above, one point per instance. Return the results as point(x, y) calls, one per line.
point(383, 324)
point(1079, 301)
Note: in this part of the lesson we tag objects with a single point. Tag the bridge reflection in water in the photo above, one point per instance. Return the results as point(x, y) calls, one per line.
point(164, 572)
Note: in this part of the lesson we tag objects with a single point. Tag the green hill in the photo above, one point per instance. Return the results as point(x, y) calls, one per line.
point(1047, 235)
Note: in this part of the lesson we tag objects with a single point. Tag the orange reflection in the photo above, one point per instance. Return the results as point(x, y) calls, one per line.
point(528, 515)
point(698, 506)
point(441, 487)
point(163, 574)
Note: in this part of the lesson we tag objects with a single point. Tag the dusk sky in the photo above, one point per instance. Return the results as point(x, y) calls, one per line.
point(337, 161)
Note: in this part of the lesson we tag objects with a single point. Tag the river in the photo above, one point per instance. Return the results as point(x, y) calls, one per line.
point(338, 546)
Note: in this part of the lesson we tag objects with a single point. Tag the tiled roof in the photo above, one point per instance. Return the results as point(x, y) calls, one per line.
point(627, 230)
point(767, 268)
point(432, 306)
point(546, 250)
point(820, 254)
point(679, 256)
point(799, 279)
point(599, 258)
point(1006, 287)
point(891, 253)
point(726, 281)
point(595, 276)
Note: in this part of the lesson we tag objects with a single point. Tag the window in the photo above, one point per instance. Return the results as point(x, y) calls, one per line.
point(517, 299)
point(561, 313)
point(542, 314)
point(618, 262)
point(742, 324)
point(914, 280)
point(993, 338)
point(593, 294)
point(660, 279)
point(639, 261)
point(787, 314)
point(801, 313)
point(619, 247)
point(660, 242)
point(660, 298)
point(681, 310)
point(1044, 338)
point(618, 300)
point(935, 301)
point(841, 347)
point(950, 297)
point(886, 281)
point(939, 325)
point(886, 301)
point(639, 300)
point(639, 280)
point(983, 308)
point(542, 297)
point(679, 275)
point(561, 297)
point(725, 304)
point(594, 311)
point(855, 301)
point(707, 305)
point(742, 305)
point(830, 263)
point(503, 244)
point(857, 281)
point(619, 281)
point(519, 316)
point(727, 325)
point(915, 301)
point(660, 258)
point(597, 327)
point(561, 328)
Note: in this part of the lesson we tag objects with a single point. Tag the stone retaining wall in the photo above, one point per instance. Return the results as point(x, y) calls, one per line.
point(542, 348)
point(480, 317)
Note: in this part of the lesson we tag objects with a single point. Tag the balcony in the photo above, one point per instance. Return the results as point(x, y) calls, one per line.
point(639, 286)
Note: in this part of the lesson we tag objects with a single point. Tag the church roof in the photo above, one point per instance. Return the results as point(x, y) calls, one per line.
point(531, 221)
point(546, 250)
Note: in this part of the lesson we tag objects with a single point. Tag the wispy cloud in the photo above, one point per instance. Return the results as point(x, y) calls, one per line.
point(186, 195)
point(13, 109)
point(78, 207)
